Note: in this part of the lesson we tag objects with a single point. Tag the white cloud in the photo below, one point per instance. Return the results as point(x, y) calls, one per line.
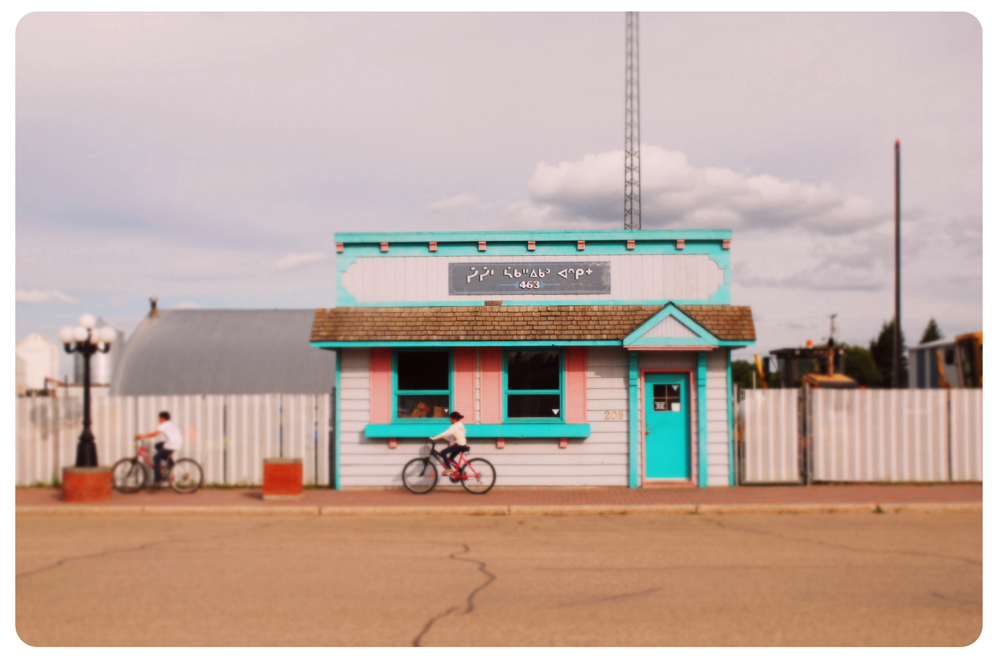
point(188, 305)
point(294, 261)
point(44, 297)
point(465, 201)
point(676, 193)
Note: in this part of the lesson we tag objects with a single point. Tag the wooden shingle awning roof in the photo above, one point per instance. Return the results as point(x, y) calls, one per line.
point(596, 323)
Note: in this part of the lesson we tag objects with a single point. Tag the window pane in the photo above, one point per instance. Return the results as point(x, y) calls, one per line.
point(423, 371)
point(659, 397)
point(534, 405)
point(667, 397)
point(423, 405)
point(534, 370)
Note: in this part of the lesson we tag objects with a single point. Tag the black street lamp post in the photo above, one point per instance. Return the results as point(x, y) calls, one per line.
point(86, 340)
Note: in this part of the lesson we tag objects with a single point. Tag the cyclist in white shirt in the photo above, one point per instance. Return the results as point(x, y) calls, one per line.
point(174, 441)
point(456, 435)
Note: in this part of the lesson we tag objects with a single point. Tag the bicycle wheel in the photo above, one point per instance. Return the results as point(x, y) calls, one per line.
point(480, 476)
point(420, 475)
point(186, 476)
point(128, 475)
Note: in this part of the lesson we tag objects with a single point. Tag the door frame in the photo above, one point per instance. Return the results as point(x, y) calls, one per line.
point(692, 389)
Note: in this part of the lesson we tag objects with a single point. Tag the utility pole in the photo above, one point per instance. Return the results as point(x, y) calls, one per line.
point(896, 363)
point(633, 218)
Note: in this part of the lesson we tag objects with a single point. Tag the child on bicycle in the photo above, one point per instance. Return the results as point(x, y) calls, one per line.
point(456, 435)
point(174, 441)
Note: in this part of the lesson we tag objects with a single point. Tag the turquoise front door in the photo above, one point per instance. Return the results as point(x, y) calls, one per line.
point(668, 444)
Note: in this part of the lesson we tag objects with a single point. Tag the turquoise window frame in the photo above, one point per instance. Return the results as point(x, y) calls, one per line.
point(395, 392)
point(505, 392)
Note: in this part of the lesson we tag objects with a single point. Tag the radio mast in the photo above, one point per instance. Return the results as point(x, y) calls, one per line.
point(633, 212)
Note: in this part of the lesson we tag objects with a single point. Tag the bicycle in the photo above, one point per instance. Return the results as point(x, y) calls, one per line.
point(420, 474)
point(129, 474)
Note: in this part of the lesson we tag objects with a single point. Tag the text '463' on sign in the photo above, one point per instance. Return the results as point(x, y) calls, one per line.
point(529, 278)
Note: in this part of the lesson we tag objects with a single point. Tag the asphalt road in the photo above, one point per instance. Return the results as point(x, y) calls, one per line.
point(901, 579)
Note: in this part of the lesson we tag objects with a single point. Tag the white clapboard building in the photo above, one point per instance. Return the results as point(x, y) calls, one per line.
point(576, 358)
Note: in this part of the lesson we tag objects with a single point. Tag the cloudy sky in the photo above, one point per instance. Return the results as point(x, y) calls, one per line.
point(209, 158)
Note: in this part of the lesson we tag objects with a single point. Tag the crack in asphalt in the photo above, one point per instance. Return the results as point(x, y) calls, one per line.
point(612, 598)
point(718, 523)
point(101, 554)
point(468, 602)
point(955, 600)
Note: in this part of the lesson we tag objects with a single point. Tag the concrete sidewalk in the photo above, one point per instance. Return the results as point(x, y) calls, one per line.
point(534, 501)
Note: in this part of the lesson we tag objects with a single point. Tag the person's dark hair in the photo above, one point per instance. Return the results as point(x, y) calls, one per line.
point(455, 416)
point(164, 415)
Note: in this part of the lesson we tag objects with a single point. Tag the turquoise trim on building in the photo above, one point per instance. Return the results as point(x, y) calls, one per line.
point(505, 392)
point(527, 303)
point(511, 430)
point(705, 338)
point(732, 457)
point(702, 418)
point(711, 248)
point(338, 422)
point(449, 344)
point(395, 392)
point(515, 243)
point(633, 420)
point(472, 237)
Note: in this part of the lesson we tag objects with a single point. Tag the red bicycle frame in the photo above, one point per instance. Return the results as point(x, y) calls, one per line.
point(145, 457)
point(461, 460)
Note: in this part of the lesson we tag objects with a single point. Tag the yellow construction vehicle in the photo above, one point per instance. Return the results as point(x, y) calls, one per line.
point(947, 363)
point(969, 356)
point(816, 367)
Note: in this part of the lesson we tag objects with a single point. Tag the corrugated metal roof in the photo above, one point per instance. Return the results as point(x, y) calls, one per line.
point(224, 351)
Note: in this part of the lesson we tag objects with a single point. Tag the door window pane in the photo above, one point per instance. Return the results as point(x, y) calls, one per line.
point(534, 370)
point(423, 371)
point(534, 405)
point(667, 398)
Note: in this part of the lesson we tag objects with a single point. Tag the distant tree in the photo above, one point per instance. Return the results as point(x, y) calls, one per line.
point(860, 366)
point(881, 351)
point(743, 372)
point(931, 333)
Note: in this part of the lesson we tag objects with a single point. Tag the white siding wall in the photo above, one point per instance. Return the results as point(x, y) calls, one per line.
point(601, 459)
point(670, 328)
point(633, 277)
point(718, 419)
point(716, 403)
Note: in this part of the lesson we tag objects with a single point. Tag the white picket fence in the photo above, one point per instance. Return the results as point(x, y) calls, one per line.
point(860, 436)
point(229, 435)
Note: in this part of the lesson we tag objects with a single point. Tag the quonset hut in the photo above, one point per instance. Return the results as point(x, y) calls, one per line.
point(577, 358)
point(222, 351)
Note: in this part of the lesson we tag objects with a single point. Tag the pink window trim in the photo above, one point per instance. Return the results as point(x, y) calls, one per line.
point(464, 370)
point(576, 385)
point(380, 379)
point(490, 385)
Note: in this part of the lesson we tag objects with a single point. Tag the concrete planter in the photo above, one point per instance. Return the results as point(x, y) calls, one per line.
point(86, 485)
point(283, 479)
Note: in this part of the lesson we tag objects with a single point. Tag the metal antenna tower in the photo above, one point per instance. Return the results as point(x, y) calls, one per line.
point(633, 211)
